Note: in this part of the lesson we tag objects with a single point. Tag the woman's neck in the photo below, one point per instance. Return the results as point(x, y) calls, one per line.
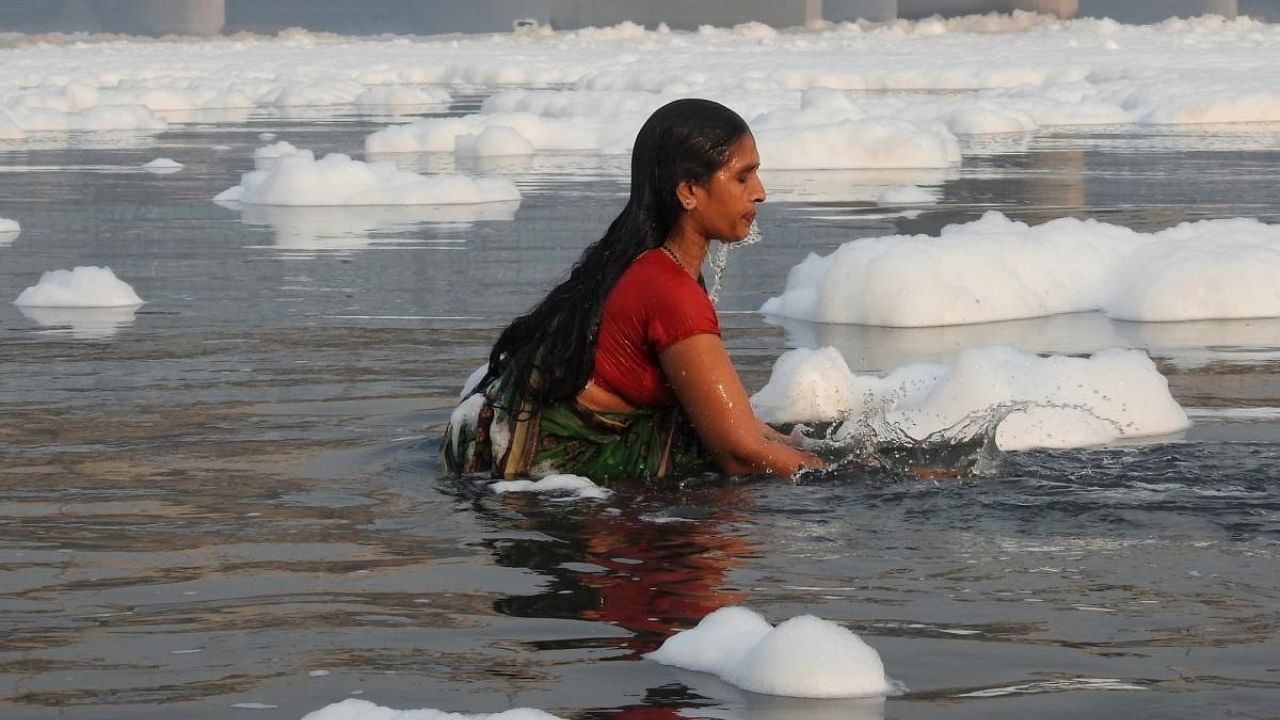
point(689, 247)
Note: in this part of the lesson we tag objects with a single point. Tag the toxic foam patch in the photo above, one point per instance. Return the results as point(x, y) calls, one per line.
point(805, 656)
point(1062, 401)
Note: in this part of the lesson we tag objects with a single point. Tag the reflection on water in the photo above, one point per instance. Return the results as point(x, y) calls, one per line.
point(732, 703)
point(650, 572)
point(868, 348)
point(81, 323)
point(348, 229)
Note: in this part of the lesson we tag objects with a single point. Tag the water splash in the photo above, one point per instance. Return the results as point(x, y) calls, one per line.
point(966, 447)
point(720, 260)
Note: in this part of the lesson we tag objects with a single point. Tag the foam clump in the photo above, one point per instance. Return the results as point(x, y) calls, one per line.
point(8, 226)
point(805, 657)
point(395, 95)
point(858, 143)
point(507, 133)
point(574, 485)
point(905, 195)
point(357, 709)
point(995, 269)
point(274, 151)
point(81, 287)
point(336, 179)
point(163, 166)
point(1056, 401)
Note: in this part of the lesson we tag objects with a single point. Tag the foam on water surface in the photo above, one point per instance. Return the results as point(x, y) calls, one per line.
point(575, 486)
point(996, 269)
point(1048, 402)
point(80, 287)
point(299, 179)
point(803, 657)
point(357, 709)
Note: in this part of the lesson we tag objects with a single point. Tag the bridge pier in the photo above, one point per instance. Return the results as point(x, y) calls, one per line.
point(182, 17)
point(915, 9)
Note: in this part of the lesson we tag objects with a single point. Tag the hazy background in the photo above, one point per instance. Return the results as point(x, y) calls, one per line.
point(446, 16)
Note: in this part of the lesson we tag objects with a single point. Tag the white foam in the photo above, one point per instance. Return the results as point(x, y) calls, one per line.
point(574, 485)
point(357, 709)
point(1071, 401)
point(336, 179)
point(9, 128)
point(9, 227)
point(906, 195)
point(521, 130)
point(997, 269)
point(275, 151)
point(81, 287)
point(163, 166)
point(804, 657)
point(864, 143)
point(390, 96)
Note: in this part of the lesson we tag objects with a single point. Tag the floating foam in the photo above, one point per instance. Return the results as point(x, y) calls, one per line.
point(274, 151)
point(9, 129)
point(996, 269)
point(544, 134)
point(384, 96)
point(1066, 401)
point(336, 179)
point(906, 195)
point(575, 485)
point(865, 143)
point(357, 709)
point(81, 287)
point(163, 166)
point(804, 657)
point(109, 117)
point(9, 227)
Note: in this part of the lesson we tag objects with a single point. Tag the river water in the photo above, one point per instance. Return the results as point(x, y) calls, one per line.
point(228, 504)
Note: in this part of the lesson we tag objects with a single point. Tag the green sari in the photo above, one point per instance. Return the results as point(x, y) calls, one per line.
point(487, 437)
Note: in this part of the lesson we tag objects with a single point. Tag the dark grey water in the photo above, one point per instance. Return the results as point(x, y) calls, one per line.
point(231, 496)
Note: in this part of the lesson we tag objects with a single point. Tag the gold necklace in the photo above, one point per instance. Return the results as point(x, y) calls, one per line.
point(674, 258)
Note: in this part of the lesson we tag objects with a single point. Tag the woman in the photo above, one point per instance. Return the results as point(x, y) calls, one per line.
point(620, 371)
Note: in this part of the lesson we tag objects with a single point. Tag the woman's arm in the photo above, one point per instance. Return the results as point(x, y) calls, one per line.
point(700, 371)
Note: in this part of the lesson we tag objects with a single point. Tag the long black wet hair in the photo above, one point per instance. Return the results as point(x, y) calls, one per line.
point(550, 350)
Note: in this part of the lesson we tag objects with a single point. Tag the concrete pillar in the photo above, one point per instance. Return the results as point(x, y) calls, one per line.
point(184, 17)
point(1058, 8)
point(915, 9)
point(1150, 11)
point(682, 14)
point(851, 10)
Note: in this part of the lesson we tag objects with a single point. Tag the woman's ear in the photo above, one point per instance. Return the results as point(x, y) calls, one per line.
point(687, 194)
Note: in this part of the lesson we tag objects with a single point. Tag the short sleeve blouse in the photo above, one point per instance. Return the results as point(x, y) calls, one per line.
point(654, 305)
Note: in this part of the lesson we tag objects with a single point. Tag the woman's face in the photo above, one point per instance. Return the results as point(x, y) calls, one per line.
point(725, 206)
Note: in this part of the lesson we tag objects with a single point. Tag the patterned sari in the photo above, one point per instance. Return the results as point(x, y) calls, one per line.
point(486, 436)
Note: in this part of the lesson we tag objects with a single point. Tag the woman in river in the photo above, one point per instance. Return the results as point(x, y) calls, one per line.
point(620, 371)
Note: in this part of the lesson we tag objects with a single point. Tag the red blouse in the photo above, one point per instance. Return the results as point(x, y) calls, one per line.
point(654, 305)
